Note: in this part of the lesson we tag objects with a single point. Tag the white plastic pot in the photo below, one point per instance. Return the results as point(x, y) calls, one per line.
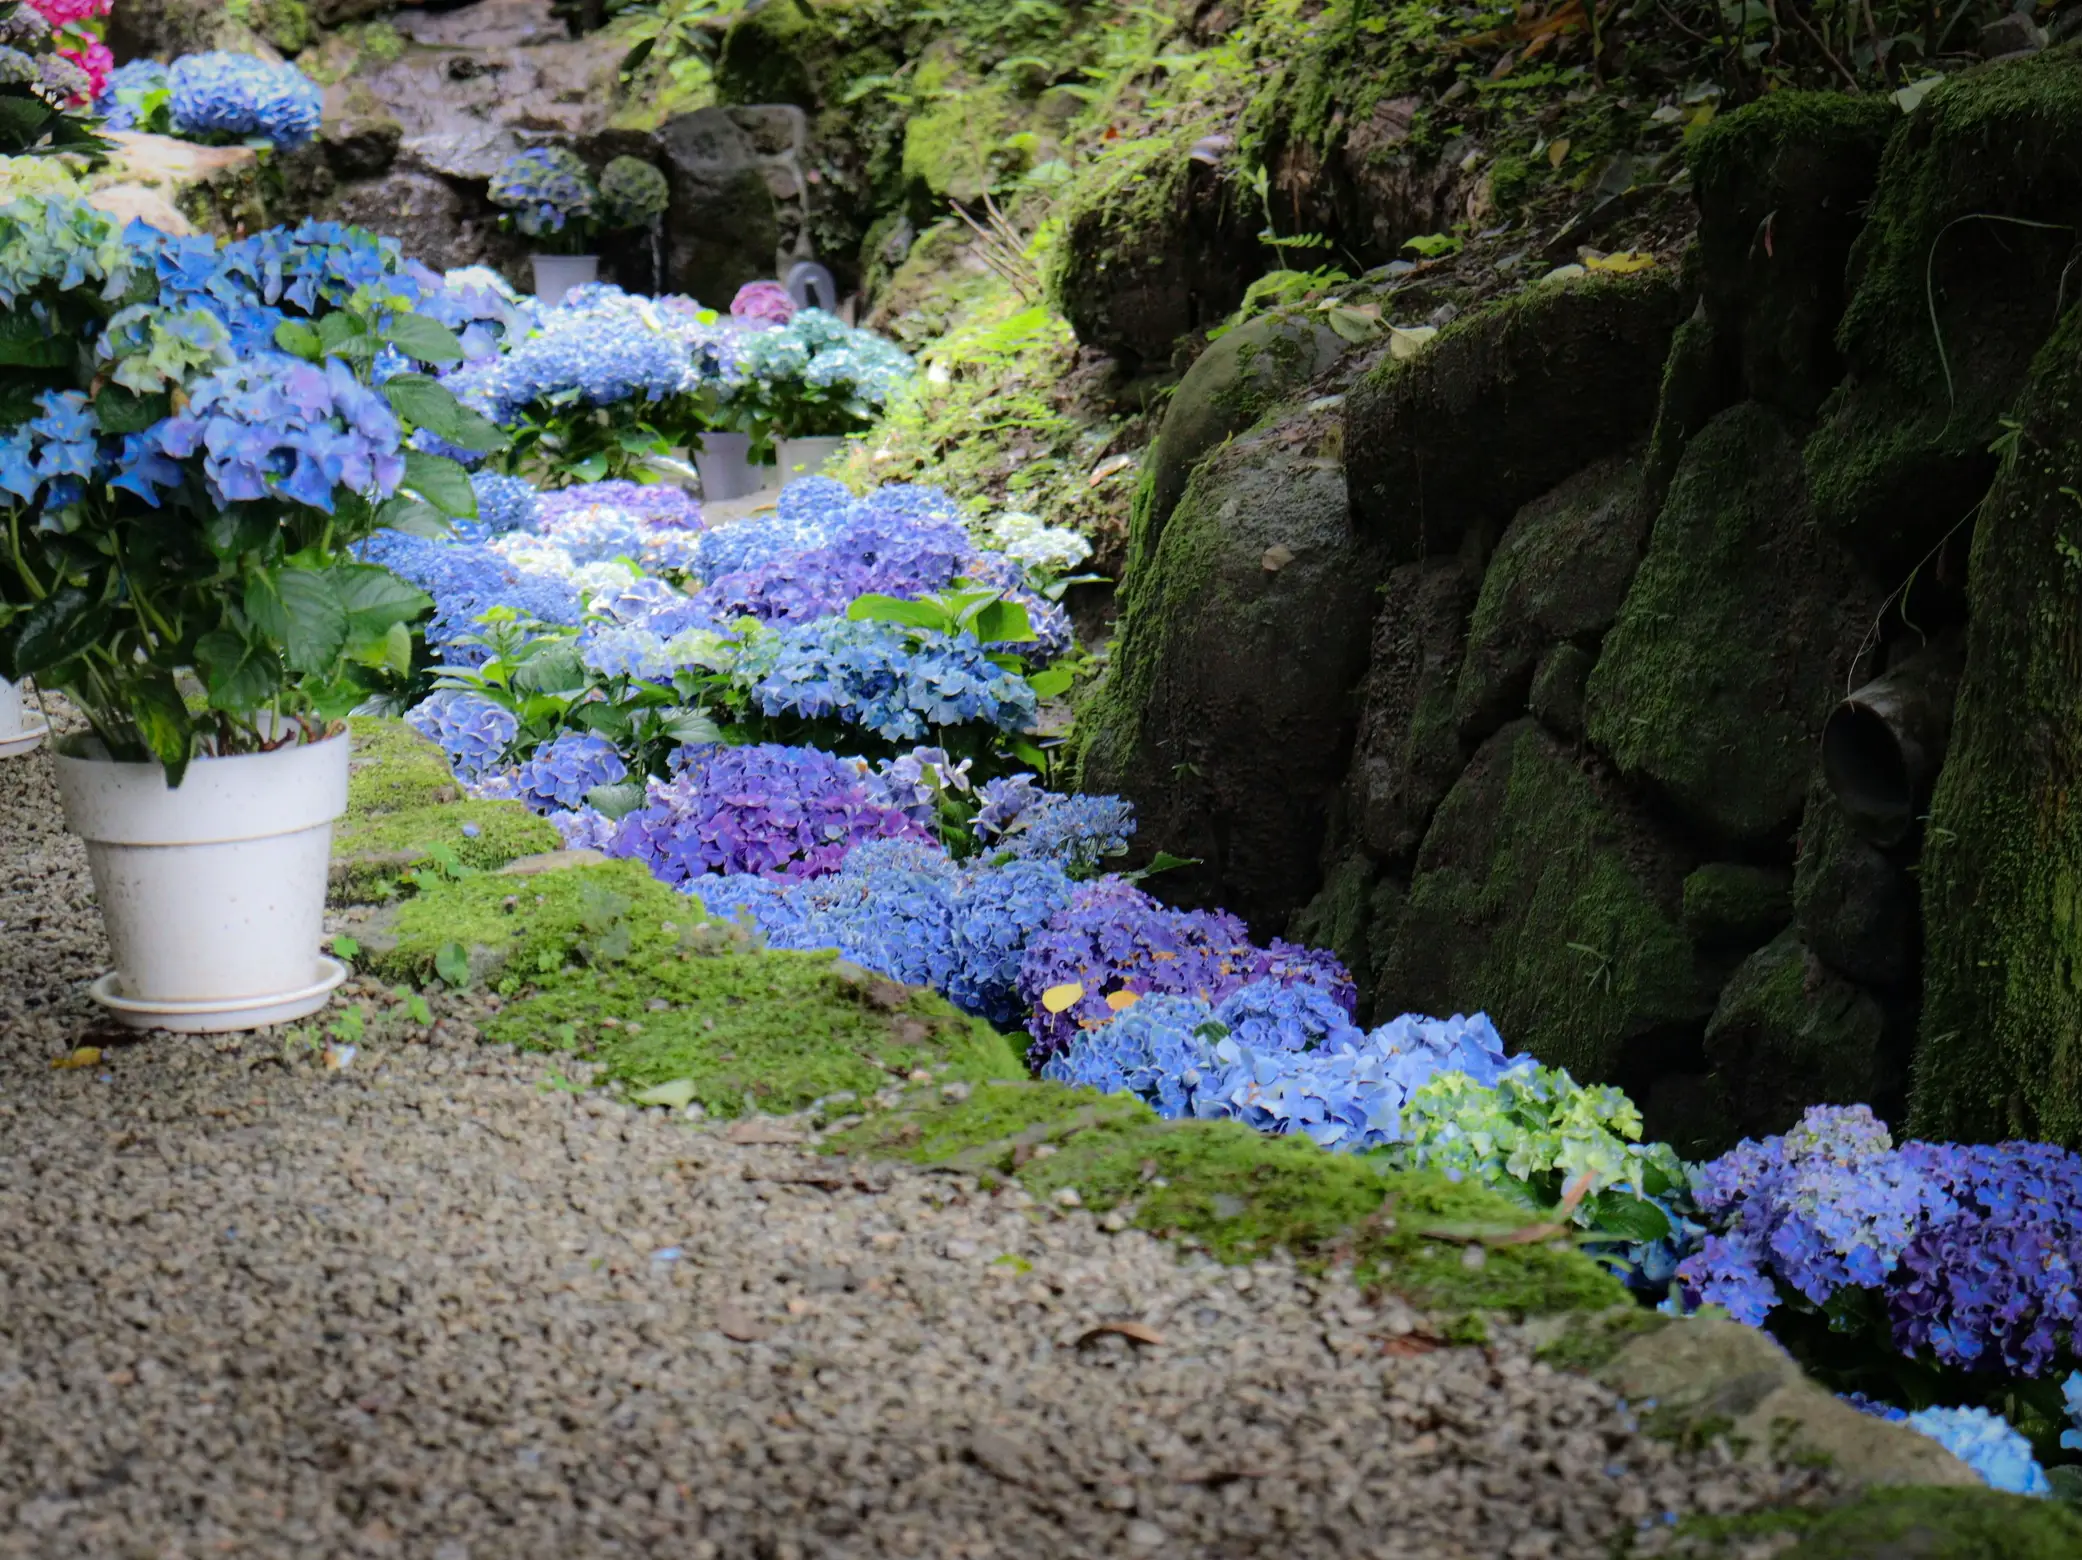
point(725, 463)
point(557, 275)
point(21, 728)
point(808, 457)
point(213, 895)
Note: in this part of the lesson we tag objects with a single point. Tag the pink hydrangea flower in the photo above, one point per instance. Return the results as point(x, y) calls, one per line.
point(763, 301)
point(64, 13)
point(95, 59)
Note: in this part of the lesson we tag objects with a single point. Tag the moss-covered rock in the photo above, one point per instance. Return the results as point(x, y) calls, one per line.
point(606, 962)
point(405, 811)
point(1408, 750)
point(1728, 904)
point(1892, 1524)
point(1702, 1379)
point(1156, 244)
point(1700, 381)
point(1953, 290)
point(1736, 639)
point(1341, 918)
point(1556, 696)
point(1503, 405)
point(1559, 574)
point(1855, 904)
point(1243, 375)
point(1226, 714)
point(168, 29)
point(1782, 186)
point(1789, 1033)
point(1242, 1196)
point(1544, 898)
point(2001, 1048)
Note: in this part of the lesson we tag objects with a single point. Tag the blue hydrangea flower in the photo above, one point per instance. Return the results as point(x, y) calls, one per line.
point(545, 187)
point(563, 771)
point(504, 504)
point(1986, 1442)
point(903, 687)
point(1027, 823)
point(242, 95)
point(473, 731)
point(276, 425)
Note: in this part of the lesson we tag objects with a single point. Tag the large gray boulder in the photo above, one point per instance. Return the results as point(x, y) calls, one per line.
point(723, 228)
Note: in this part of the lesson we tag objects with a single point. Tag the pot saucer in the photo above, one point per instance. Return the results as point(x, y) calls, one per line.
point(34, 729)
point(218, 1014)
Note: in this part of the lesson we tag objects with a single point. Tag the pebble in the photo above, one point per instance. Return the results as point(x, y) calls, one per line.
point(436, 1303)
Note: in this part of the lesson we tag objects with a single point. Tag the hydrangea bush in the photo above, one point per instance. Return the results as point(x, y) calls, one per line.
point(215, 97)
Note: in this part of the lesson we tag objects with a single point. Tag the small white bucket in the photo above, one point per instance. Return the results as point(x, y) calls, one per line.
point(558, 275)
point(21, 728)
point(808, 457)
point(213, 894)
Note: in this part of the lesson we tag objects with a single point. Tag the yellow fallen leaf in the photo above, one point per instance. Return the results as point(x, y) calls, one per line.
point(1060, 999)
point(1406, 341)
point(1624, 263)
point(85, 1056)
point(1121, 1001)
point(1556, 151)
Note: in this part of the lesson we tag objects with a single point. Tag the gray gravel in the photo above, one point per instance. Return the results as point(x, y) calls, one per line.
point(434, 1303)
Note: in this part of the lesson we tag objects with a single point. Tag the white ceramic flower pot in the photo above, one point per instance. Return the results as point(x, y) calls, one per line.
point(808, 457)
point(558, 275)
point(21, 728)
point(725, 463)
point(213, 895)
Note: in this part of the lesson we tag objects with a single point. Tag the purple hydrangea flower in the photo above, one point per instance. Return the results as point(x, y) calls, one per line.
point(766, 810)
point(563, 771)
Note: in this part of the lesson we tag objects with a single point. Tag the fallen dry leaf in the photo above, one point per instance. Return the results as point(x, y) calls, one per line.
point(1121, 1001)
point(1276, 558)
point(1134, 1332)
point(1060, 999)
point(1111, 466)
point(1410, 1345)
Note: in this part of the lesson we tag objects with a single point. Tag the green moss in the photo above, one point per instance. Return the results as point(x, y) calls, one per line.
point(1730, 905)
point(1541, 901)
point(606, 962)
point(1586, 1341)
point(968, 143)
point(1558, 375)
point(1340, 918)
point(1242, 1195)
point(1954, 291)
point(2000, 1054)
point(1736, 638)
point(284, 23)
point(404, 810)
point(1789, 1033)
point(1895, 1523)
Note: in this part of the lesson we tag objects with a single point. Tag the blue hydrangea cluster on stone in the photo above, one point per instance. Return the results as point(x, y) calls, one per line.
point(562, 773)
point(1983, 1440)
point(242, 96)
point(1017, 819)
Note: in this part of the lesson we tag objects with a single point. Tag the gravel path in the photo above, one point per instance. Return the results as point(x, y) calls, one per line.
point(434, 1304)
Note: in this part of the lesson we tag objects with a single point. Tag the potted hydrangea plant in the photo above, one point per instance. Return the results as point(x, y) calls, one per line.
point(548, 194)
point(191, 440)
point(799, 389)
